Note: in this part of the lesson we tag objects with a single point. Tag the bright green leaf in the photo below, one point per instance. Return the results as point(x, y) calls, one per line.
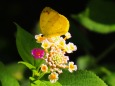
point(31, 67)
point(5, 78)
point(48, 83)
point(110, 79)
point(38, 83)
point(80, 78)
point(97, 17)
point(25, 43)
point(85, 62)
point(45, 83)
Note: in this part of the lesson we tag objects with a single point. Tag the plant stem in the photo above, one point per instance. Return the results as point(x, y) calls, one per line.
point(103, 54)
point(105, 70)
point(41, 75)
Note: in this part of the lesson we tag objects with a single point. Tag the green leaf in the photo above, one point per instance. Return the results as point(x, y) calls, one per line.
point(110, 79)
point(44, 83)
point(25, 83)
point(38, 83)
point(1, 65)
point(25, 43)
point(101, 71)
point(85, 62)
point(31, 67)
point(16, 70)
point(48, 83)
point(99, 16)
point(5, 77)
point(0, 83)
point(80, 78)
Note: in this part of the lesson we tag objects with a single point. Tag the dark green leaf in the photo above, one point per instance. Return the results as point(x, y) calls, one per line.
point(25, 43)
point(80, 78)
point(99, 16)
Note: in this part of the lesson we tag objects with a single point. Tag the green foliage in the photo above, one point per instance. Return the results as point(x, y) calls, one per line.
point(25, 83)
point(16, 70)
point(45, 83)
point(80, 78)
point(31, 67)
point(25, 43)
point(110, 79)
point(102, 11)
point(52, 84)
point(5, 77)
point(38, 83)
point(97, 17)
point(85, 62)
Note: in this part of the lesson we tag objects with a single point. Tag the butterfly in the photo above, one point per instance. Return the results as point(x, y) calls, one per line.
point(52, 23)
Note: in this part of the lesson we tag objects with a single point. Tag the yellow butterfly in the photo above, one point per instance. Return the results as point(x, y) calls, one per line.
point(52, 23)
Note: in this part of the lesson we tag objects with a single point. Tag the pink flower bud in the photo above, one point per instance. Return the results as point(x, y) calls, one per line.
point(37, 53)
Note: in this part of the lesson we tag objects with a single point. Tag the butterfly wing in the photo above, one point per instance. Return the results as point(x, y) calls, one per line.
point(52, 23)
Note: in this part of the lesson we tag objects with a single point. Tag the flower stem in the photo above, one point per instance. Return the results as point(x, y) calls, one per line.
point(105, 70)
point(107, 51)
point(41, 75)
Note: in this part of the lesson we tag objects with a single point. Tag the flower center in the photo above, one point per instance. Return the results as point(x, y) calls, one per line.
point(57, 59)
point(53, 76)
point(71, 66)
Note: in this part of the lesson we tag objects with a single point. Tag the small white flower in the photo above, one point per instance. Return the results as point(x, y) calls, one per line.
point(53, 77)
point(65, 59)
point(68, 35)
point(72, 47)
point(44, 68)
point(59, 71)
point(67, 49)
point(46, 44)
point(72, 67)
point(61, 43)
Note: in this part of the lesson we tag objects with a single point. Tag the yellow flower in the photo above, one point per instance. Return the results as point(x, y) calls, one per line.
point(72, 67)
point(44, 68)
point(53, 77)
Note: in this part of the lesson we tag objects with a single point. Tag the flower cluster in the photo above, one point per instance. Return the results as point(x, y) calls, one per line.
point(53, 52)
